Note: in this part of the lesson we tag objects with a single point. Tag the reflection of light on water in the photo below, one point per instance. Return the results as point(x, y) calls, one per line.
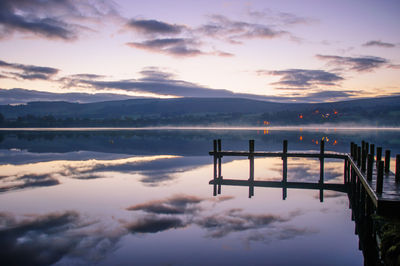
point(15, 175)
point(326, 139)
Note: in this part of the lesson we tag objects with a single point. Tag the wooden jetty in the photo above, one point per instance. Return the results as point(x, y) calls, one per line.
point(366, 177)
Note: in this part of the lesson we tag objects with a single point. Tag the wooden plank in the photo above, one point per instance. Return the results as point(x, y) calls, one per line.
point(279, 184)
point(326, 155)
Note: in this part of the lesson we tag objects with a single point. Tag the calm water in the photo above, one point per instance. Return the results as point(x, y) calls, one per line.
point(142, 198)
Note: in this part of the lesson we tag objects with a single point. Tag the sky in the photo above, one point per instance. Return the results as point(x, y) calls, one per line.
point(285, 51)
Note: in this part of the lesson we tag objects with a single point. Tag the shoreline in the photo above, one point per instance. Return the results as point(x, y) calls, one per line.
point(216, 128)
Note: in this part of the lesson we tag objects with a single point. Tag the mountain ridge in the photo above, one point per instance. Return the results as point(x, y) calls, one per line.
point(149, 109)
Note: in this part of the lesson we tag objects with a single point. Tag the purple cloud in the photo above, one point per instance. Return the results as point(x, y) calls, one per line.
point(235, 31)
point(29, 72)
point(301, 79)
point(151, 26)
point(379, 44)
point(180, 47)
point(359, 64)
point(49, 19)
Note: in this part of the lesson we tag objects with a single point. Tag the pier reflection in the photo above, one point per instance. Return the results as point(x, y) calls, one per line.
point(364, 224)
point(285, 185)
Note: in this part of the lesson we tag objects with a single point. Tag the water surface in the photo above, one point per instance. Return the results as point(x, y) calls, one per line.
point(141, 197)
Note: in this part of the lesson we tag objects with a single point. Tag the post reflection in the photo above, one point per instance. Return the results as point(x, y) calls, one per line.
point(284, 185)
point(364, 224)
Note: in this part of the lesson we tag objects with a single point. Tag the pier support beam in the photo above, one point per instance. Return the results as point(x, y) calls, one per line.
point(379, 178)
point(359, 156)
point(364, 160)
point(372, 149)
point(219, 166)
point(321, 162)
point(251, 175)
point(397, 168)
point(369, 166)
point(215, 167)
point(284, 170)
point(387, 161)
point(378, 155)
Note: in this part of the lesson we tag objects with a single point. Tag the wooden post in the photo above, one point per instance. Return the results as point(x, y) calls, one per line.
point(362, 145)
point(372, 149)
point(358, 190)
point(352, 171)
point(215, 167)
point(362, 202)
point(284, 193)
point(352, 149)
point(355, 147)
point(379, 178)
point(364, 160)
point(397, 168)
point(369, 207)
point(366, 147)
point(219, 166)
point(378, 155)
point(387, 161)
point(284, 170)
point(359, 156)
point(348, 171)
point(321, 194)
point(321, 162)
point(369, 166)
point(251, 158)
point(345, 175)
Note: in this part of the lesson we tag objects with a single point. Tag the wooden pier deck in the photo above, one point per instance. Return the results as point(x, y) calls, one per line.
point(366, 176)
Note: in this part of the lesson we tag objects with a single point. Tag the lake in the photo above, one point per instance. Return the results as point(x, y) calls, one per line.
point(142, 197)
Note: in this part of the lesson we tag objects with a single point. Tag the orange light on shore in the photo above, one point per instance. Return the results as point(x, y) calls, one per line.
point(266, 123)
point(301, 138)
point(335, 112)
point(301, 116)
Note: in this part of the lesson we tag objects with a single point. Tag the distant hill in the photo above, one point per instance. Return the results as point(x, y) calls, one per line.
point(143, 107)
point(201, 111)
point(20, 96)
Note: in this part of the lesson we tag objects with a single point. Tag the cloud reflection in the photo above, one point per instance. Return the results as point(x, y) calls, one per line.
point(47, 173)
point(47, 239)
point(234, 220)
point(284, 233)
point(26, 181)
point(180, 211)
point(307, 170)
point(154, 224)
point(178, 204)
